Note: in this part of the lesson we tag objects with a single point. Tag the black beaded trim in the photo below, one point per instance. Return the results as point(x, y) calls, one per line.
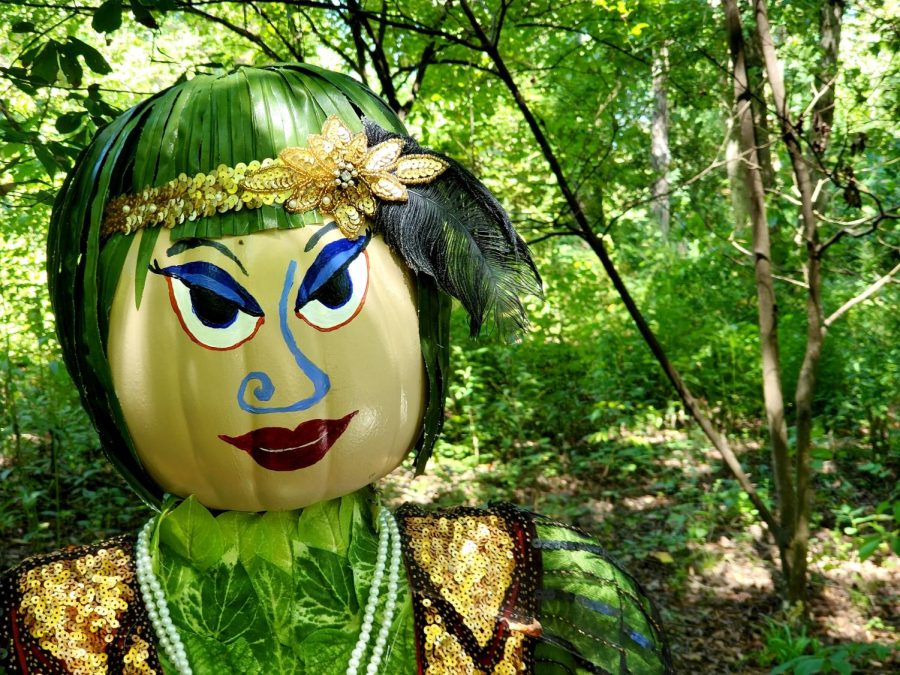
point(570, 546)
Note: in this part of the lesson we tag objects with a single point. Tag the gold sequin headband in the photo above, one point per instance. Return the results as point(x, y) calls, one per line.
point(337, 173)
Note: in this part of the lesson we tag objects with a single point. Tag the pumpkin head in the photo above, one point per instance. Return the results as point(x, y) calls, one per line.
point(239, 388)
point(295, 350)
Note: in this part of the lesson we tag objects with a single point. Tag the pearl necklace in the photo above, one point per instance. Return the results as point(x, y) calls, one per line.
point(157, 607)
point(389, 533)
point(170, 641)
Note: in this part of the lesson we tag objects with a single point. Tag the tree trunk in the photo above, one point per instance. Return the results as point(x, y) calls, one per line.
point(718, 440)
point(765, 287)
point(806, 381)
point(830, 21)
point(756, 80)
point(736, 167)
point(659, 139)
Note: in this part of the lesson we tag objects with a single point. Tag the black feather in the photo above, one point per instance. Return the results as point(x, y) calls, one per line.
point(455, 231)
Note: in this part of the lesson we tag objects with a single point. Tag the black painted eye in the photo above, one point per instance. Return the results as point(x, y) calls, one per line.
point(336, 291)
point(212, 309)
point(339, 299)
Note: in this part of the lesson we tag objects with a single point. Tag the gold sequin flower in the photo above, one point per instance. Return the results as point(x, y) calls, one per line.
point(341, 176)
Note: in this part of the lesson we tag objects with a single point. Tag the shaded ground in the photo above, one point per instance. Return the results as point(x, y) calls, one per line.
point(688, 537)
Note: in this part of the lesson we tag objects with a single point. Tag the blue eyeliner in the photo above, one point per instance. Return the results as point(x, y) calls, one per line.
point(213, 279)
point(331, 260)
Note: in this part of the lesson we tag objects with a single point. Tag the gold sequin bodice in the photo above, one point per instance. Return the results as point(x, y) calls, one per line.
point(494, 592)
point(473, 575)
point(76, 611)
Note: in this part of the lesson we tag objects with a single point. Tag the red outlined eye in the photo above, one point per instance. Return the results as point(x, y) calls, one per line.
point(338, 300)
point(213, 309)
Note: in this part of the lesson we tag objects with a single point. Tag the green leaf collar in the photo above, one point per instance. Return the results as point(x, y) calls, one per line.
point(275, 592)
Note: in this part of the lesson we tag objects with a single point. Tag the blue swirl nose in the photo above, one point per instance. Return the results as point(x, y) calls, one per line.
point(263, 388)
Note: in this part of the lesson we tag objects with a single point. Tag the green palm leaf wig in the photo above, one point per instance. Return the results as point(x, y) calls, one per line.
point(452, 234)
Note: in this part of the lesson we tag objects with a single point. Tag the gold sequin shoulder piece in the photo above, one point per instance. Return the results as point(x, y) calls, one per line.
point(76, 611)
point(474, 576)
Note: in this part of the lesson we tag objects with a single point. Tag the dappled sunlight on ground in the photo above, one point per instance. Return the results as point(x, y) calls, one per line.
point(732, 570)
point(665, 508)
point(856, 600)
point(645, 502)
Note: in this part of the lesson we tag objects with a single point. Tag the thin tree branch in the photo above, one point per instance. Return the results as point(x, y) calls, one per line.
point(358, 66)
point(498, 24)
point(599, 247)
point(376, 53)
point(579, 31)
point(817, 96)
point(47, 5)
point(767, 308)
point(890, 214)
point(424, 61)
point(815, 334)
point(295, 53)
point(865, 295)
point(745, 156)
point(243, 32)
point(779, 277)
point(466, 64)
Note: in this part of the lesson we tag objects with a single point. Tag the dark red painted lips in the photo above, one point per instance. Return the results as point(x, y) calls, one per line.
point(279, 449)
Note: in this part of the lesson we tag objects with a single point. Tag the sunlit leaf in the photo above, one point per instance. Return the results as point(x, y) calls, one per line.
point(191, 532)
point(869, 546)
point(45, 157)
point(664, 557)
point(68, 60)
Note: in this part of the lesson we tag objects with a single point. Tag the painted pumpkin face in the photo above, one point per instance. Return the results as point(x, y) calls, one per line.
point(268, 371)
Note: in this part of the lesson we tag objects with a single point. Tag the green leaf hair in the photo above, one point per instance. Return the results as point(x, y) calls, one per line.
point(254, 113)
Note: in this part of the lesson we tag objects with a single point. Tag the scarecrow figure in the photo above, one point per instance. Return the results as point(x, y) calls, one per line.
point(251, 276)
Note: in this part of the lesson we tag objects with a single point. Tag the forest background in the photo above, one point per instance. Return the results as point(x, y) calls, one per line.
point(712, 381)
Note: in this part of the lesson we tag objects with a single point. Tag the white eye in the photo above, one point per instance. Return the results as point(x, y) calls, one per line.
point(339, 299)
point(214, 310)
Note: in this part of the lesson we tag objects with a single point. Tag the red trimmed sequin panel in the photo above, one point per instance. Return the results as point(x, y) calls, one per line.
point(474, 576)
point(76, 611)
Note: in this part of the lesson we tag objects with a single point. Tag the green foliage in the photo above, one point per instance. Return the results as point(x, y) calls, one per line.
point(55, 487)
point(873, 531)
point(795, 653)
point(107, 17)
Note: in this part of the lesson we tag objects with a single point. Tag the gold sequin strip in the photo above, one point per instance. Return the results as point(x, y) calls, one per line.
point(337, 173)
point(474, 577)
point(77, 611)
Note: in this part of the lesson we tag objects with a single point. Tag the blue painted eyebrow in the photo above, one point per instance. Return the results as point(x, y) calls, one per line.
point(335, 257)
point(214, 279)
